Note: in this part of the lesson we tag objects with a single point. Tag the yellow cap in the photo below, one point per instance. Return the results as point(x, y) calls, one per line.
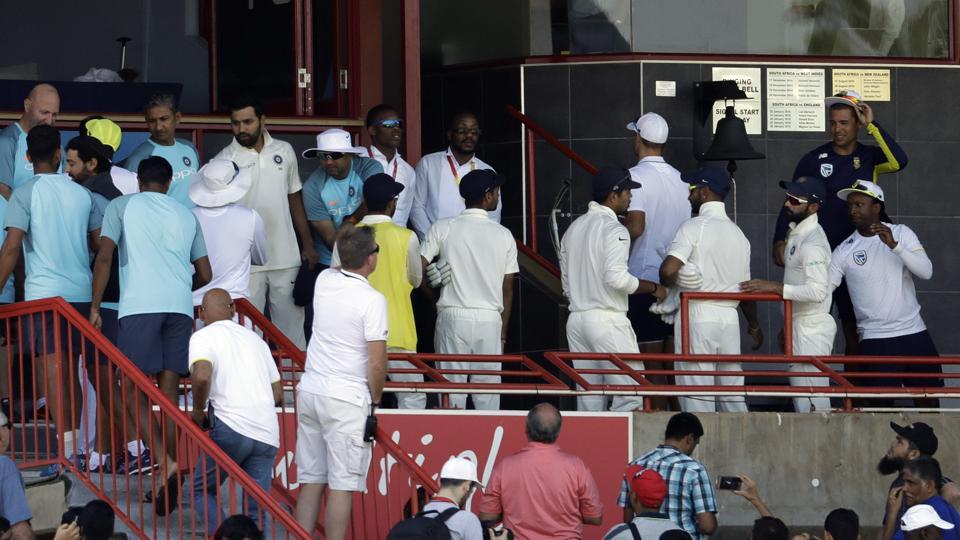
point(105, 131)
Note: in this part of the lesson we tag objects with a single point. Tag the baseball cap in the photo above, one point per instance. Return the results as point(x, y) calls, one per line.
point(380, 188)
point(844, 97)
point(651, 127)
point(476, 183)
point(458, 468)
point(610, 179)
point(806, 186)
point(862, 186)
point(647, 484)
point(714, 178)
point(920, 434)
point(919, 516)
point(105, 131)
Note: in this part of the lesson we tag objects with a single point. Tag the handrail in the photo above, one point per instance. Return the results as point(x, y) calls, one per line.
point(687, 297)
point(533, 126)
point(143, 384)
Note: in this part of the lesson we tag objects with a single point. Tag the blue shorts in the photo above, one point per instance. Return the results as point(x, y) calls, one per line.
point(919, 344)
point(109, 324)
point(156, 342)
point(44, 333)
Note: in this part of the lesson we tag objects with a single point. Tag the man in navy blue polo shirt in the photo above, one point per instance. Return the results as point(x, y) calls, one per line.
point(840, 163)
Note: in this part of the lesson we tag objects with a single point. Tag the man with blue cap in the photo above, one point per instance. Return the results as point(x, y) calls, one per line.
point(716, 246)
point(806, 282)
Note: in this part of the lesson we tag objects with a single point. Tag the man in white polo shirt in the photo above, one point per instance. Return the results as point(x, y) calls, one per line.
point(386, 131)
point(436, 195)
point(474, 308)
point(806, 282)
point(878, 262)
point(593, 268)
point(233, 368)
point(342, 384)
point(718, 248)
point(275, 194)
point(235, 235)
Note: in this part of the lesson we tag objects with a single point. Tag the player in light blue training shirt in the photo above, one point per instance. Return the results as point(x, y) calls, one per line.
point(41, 107)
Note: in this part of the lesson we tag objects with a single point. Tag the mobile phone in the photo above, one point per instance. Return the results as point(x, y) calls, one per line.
point(370, 429)
point(729, 482)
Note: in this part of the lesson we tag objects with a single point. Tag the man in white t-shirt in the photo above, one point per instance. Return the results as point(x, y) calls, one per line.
point(879, 261)
point(233, 368)
point(458, 479)
point(386, 131)
point(235, 235)
point(473, 312)
point(717, 247)
point(342, 384)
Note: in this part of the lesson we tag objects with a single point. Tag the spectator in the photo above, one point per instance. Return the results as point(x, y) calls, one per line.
point(162, 117)
point(529, 495)
point(398, 272)
point(922, 522)
point(647, 491)
point(595, 279)
point(41, 107)
point(108, 133)
point(748, 490)
point(474, 308)
point(96, 521)
point(238, 527)
point(806, 282)
point(841, 524)
point(769, 528)
point(911, 442)
point(275, 195)
point(921, 485)
point(233, 367)
point(235, 235)
point(342, 384)
point(386, 131)
point(156, 305)
point(716, 246)
point(438, 175)
point(57, 220)
point(878, 262)
point(13, 500)
point(458, 478)
point(690, 498)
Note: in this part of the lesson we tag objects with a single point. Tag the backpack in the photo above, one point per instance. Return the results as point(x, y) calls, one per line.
point(421, 527)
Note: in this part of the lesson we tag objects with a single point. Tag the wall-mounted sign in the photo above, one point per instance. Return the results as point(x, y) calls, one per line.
point(871, 84)
point(795, 99)
point(666, 88)
point(748, 110)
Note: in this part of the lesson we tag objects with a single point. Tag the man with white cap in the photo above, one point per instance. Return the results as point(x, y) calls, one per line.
point(474, 307)
point(235, 235)
point(655, 213)
point(921, 522)
point(806, 282)
point(878, 262)
point(275, 193)
point(718, 248)
point(839, 163)
point(458, 479)
point(593, 269)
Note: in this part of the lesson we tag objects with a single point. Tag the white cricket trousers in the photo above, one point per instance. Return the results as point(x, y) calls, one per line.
point(406, 400)
point(603, 331)
point(713, 330)
point(470, 331)
point(276, 286)
point(812, 336)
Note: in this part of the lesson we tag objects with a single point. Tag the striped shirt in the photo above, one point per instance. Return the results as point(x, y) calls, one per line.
point(689, 491)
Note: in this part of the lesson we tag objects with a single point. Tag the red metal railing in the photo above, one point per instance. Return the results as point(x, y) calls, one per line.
point(687, 297)
point(119, 383)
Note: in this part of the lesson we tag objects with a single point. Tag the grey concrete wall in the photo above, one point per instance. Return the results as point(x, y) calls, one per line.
point(804, 464)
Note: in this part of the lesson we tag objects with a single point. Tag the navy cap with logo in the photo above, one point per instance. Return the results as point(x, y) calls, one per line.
point(475, 184)
point(379, 189)
point(611, 179)
point(920, 434)
point(714, 178)
point(808, 187)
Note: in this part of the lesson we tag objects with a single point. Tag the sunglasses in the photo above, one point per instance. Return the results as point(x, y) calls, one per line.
point(796, 201)
point(375, 250)
point(391, 123)
point(325, 156)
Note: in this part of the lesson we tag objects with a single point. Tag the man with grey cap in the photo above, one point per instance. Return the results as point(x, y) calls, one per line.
point(921, 522)
point(458, 479)
point(593, 269)
point(806, 282)
point(235, 235)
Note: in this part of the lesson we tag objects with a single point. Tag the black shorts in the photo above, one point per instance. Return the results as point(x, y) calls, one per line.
point(841, 299)
point(156, 342)
point(919, 344)
point(110, 324)
point(44, 332)
point(647, 326)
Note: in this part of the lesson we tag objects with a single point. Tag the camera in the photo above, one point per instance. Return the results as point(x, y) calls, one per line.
point(729, 482)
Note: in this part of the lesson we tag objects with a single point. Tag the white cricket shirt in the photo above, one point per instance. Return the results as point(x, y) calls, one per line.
point(806, 272)
point(402, 172)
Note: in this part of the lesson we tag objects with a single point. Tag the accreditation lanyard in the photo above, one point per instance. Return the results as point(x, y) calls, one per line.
point(444, 500)
point(453, 168)
point(396, 161)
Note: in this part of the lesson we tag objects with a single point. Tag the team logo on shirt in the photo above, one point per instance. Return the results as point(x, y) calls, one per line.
point(277, 159)
point(826, 169)
point(793, 250)
point(352, 191)
point(186, 161)
point(856, 162)
point(860, 257)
